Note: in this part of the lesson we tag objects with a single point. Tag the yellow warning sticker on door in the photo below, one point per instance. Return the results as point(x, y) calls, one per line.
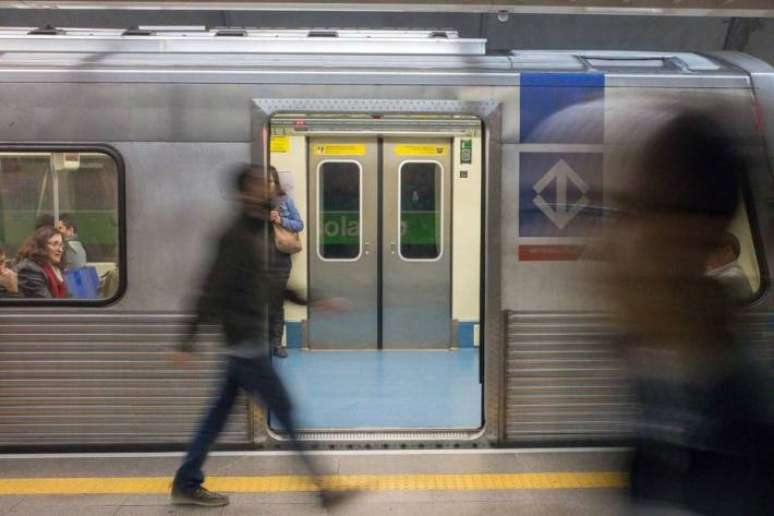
point(279, 143)
point(420, 150)
point(339, 149)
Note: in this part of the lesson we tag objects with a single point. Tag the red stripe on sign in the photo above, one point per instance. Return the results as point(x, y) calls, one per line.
point(547, 253)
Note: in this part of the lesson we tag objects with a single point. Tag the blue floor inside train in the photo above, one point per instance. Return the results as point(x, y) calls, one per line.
point(383, 389)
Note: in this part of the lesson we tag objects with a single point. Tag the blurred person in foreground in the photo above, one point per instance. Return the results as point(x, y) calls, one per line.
point(236, 293)
point(704, 437)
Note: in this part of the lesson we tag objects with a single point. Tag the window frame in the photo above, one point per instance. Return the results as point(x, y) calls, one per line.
point(113, 153)
point(751, 210)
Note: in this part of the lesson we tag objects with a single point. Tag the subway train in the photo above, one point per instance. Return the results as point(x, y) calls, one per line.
point(436, 197)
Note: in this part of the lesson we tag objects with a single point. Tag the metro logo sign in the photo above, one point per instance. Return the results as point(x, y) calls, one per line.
point(561, 159)
point(556, 190)
point(562, 212)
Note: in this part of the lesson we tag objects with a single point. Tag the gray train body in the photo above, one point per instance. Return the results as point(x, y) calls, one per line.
point(180, 113)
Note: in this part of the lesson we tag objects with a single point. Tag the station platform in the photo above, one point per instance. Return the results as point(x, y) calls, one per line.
point(487, 482)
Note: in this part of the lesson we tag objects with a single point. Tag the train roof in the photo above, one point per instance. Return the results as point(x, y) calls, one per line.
point(199, 54)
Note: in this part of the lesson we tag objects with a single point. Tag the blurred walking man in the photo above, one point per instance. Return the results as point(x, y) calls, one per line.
point(236, 294)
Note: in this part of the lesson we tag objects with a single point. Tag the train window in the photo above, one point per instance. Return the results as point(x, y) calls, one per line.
point(59, 226)
point(420, 210)
point(340, 210)
point(734, 263)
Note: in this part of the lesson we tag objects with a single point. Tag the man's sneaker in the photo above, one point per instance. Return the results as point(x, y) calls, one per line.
point(332, 500)
point(280, 352)
point(198, 496)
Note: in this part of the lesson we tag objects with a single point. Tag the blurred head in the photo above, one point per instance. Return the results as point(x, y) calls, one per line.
point(253, 191)
point(2, 259)
point(45, 246)
point(66, 225)
point(275, 187)
point(44, 220)
point(683, 194)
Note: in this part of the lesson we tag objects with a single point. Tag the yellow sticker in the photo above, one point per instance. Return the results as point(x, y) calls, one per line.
point(279, 143)
point(340, 149)
point(420, 150)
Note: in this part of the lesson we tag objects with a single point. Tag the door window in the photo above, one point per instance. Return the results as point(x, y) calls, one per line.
point(420, 210)
point(340, 210)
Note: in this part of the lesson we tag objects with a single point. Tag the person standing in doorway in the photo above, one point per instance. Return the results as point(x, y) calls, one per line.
point(236, 293)
point(284, 214)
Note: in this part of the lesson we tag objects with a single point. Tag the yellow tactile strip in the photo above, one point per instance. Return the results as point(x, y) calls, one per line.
point(298, 483)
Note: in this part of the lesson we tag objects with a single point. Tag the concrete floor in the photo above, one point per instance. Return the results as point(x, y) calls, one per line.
point(495, 502)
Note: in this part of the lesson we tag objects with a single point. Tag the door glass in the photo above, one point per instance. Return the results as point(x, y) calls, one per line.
point(420, 210)
point(339, 231)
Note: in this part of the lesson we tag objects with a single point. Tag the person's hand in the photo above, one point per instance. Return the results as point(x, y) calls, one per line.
point(275, 216)
point(180, 358)
point(8, 280)
point(333, 305)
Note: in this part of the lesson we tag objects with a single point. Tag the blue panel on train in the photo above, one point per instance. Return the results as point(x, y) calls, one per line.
point(544, 94)
point(560, 193)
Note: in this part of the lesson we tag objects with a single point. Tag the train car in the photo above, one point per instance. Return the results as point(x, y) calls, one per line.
point(443, 196)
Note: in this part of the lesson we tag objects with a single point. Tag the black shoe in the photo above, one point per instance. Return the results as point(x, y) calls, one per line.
point(198, 496)
point(331, 500)
point(280, 352)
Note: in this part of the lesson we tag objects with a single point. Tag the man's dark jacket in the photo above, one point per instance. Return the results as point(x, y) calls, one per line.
point(236, 289)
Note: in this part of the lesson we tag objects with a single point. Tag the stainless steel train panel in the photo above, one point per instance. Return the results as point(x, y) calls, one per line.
point(565, 379)
point(343, 226)
point(90, 378)
point(178, 199)
point(103, 368)
point(416, 249)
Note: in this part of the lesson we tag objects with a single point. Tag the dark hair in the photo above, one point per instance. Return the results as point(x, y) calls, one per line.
point(35, 247)
point(729, 240)
point(243, 174)
point(690, 166)
point(277, 185)
point(44, 220)
point(68, 219)
point(2, 250)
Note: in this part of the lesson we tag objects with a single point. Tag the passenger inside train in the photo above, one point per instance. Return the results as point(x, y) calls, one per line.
point(39, 265)
point(75, 254)
point(723, 266)
point(73, 197)
point(8, 279)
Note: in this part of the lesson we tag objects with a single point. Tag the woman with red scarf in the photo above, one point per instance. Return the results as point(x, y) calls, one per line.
point(39, 266)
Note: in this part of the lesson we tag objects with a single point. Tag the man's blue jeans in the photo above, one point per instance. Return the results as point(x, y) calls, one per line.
point(259, 380)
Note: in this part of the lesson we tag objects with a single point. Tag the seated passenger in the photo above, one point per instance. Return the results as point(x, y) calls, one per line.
point(74, 253)
point(722, 266)
point(8, 280)
point(39, 265)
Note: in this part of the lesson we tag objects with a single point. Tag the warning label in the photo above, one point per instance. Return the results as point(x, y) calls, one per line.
point(339, 149)
point(280, 144)
point(420, 150)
